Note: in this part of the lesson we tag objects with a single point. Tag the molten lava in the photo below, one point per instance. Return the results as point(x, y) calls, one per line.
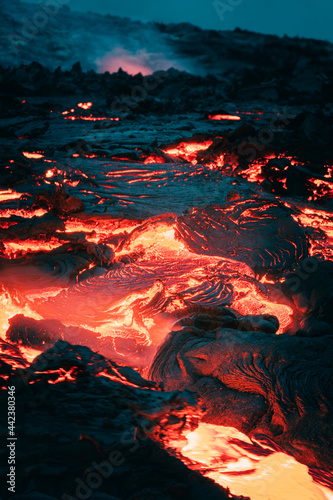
point(234, 461)
point(84, 105)
point(224, 117)
point(35, 156)
point(142, 240)
point(9, 194)
point(90, 118)
point(188, 150)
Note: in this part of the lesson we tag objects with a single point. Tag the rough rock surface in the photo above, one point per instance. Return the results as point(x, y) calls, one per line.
point(90, 431)
point(261, 383)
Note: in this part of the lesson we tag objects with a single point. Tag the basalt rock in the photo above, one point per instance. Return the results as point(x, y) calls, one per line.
point(263, 384)
point(273, 239)
point(98, 428)
point(310, 287)
point(59, 202)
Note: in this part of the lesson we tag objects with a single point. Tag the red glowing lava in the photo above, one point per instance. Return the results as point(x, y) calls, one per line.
point(91, 118)
point(218, 453)
point(154, 158)
point(317, 220)
point(84, 105)
point(9, 194)
point(128, 280)
point(321, 189)
point(224, 117)
point(33, 155)
point(188, 150)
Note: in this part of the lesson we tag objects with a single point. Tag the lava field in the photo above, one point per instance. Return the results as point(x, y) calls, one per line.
point(166, 270)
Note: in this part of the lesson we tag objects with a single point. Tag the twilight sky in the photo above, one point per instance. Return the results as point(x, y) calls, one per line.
point(305, 18)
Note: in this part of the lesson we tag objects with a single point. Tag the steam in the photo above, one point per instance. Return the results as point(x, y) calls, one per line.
point(139, 61)
point(101, 43)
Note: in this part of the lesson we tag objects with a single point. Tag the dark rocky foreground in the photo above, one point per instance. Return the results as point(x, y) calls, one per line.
point(99, 434)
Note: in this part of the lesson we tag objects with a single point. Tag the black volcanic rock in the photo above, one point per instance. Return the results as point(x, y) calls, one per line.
point(310, 287)
point(93, 424)
point(262, 384)
point(260, 233)
point(59, 202)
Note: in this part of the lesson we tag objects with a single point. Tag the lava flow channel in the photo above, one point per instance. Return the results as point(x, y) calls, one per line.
point(120, 285)
point(154, 273)
point(211, 257)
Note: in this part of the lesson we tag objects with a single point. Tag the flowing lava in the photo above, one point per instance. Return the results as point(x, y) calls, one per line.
point(188, 151)
point(9, 195)
point(79, 109)
point(36, 156)
point(90, 118)
point(9, 308)
point(119, 283)
point(224, 117)
point(234, 461)
point(84, 105)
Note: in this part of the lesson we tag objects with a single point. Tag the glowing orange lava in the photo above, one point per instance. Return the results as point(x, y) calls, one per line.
point(9, 194)
point(224, 117)
point(318, 220)
point(84, 105)
point(250, 299)
point(254, 172)
point(218, 453)
point(8, 308)
point(154, 158)
point(33, 155)
point(188, 150)
point(161, 245)
point(8, 212)
point(322, 188)
point(15, 249)
point(91, 118)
